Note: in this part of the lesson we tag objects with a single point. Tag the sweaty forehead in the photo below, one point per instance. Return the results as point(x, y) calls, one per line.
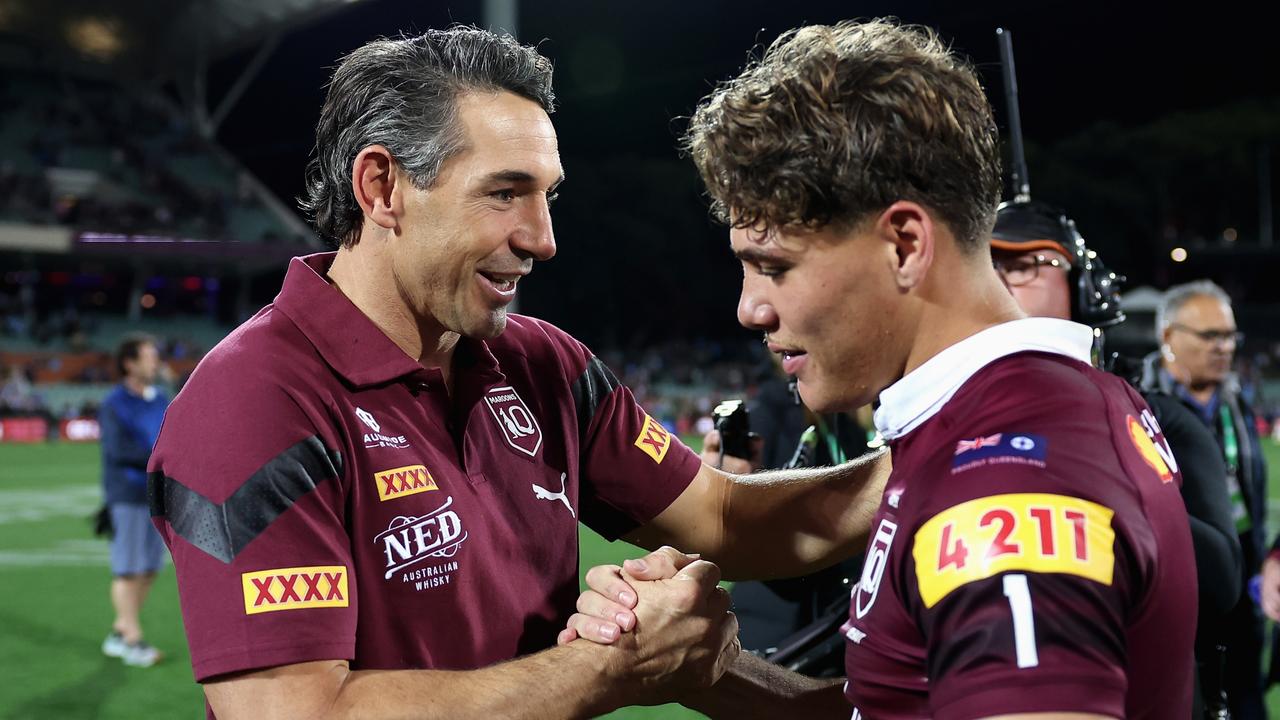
point(507, 132)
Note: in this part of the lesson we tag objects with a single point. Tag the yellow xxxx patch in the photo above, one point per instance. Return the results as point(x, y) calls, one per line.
point(654, 439)
point(295, 588)
point(403, 481)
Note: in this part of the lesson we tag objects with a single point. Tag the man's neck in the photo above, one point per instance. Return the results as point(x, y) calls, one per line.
point(136, 386)
point(1201, 392)
point(965, 305)
point(362, 275)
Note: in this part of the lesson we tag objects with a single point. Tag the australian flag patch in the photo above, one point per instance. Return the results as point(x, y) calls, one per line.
point(1000, 449)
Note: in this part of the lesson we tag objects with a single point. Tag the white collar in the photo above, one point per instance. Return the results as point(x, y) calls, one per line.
point(921, 393)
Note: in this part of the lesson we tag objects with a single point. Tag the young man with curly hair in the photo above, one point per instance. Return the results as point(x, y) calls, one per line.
point(1030, 557)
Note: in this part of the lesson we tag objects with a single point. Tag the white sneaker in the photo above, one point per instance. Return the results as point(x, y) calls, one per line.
point(141, 654)
point(114, 646)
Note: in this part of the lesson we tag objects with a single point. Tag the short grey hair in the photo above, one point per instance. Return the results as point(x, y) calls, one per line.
point(403, 94)
point(1178, 295)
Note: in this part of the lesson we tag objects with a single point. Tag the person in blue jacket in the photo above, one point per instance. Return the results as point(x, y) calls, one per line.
point(130, 419)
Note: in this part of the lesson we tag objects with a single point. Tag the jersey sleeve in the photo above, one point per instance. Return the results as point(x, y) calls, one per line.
point(1020, 580)
point(631, 467)
point(247, 489)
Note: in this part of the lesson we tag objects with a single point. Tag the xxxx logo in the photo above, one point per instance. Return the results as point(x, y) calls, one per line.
point(654, 439)
point(294, 588)
point(402, 481)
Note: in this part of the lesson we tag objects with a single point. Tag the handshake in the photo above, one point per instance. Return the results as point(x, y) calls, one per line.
point(663, 622)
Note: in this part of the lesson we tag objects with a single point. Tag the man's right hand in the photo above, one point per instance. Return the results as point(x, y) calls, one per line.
point(683, 637)
point(606, 609)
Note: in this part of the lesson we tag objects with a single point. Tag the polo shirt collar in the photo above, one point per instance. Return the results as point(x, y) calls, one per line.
point(921, 393)
point(348, 340)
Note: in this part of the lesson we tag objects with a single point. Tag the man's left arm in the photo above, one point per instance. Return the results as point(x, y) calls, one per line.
point(639, 482)
point(773, 524)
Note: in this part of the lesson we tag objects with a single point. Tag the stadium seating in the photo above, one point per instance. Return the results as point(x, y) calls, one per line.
point(98, 157)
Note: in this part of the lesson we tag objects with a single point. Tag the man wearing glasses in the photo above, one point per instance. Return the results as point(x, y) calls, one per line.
point(1198, 336)
point(1031, 257)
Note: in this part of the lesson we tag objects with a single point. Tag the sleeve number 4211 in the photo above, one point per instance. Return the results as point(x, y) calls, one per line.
point(955, 552)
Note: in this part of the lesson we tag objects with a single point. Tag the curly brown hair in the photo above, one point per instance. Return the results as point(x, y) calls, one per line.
point(836, 122)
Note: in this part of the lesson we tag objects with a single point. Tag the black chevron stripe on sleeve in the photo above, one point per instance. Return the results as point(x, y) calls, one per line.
point(589, 390)
point(224, 529)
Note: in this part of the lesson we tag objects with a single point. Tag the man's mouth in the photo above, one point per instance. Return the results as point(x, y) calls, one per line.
point(783, 350)
point(503, 283)
point(792, 358)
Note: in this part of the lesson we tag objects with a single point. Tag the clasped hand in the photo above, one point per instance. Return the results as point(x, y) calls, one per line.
point(667, 617)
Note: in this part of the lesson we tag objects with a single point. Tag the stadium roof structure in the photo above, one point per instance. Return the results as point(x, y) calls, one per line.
point(151, 45)
point(156, 42)
point(154, 39)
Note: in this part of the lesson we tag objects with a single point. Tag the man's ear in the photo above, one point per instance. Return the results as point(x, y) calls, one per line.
point(373, 180)
point(909, 228)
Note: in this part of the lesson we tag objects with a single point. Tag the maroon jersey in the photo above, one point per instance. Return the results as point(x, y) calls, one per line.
point(1032, 552)
point(324, 497)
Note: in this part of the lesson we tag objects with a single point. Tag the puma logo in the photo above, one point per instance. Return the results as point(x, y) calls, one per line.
point(545, 494)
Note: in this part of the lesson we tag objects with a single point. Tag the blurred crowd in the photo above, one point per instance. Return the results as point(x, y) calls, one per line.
point(678, 382)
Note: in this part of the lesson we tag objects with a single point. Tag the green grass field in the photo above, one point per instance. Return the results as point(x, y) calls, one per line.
point(54, 609)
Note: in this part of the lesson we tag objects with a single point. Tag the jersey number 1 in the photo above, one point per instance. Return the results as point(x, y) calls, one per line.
point(1024, 624)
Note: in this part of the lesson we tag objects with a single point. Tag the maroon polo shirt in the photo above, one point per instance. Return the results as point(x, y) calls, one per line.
point(1032, 552)
point(323, 495)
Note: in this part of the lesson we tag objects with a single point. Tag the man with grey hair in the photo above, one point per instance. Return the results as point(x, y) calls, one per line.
point(371, 490)
point(1198, 340)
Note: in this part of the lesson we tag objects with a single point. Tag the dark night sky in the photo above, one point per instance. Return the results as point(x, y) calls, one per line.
point(638, 257)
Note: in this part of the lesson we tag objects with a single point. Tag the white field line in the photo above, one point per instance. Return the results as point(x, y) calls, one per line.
point(77, 501)
point(75, 553)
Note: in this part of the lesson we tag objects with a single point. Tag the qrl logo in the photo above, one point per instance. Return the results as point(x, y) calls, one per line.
point(402, 481)
point(294, 588)
point(518, 425)
point(873, 570)
point(410, 540)
point(653, 439)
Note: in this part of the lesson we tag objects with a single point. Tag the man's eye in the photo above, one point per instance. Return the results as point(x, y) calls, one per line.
point(506, 195)
point(771, 270)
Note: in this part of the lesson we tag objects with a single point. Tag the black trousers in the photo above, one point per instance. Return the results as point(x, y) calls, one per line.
point(1242, 633)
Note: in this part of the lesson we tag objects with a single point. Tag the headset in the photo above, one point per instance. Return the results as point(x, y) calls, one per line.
point(1095, 289)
